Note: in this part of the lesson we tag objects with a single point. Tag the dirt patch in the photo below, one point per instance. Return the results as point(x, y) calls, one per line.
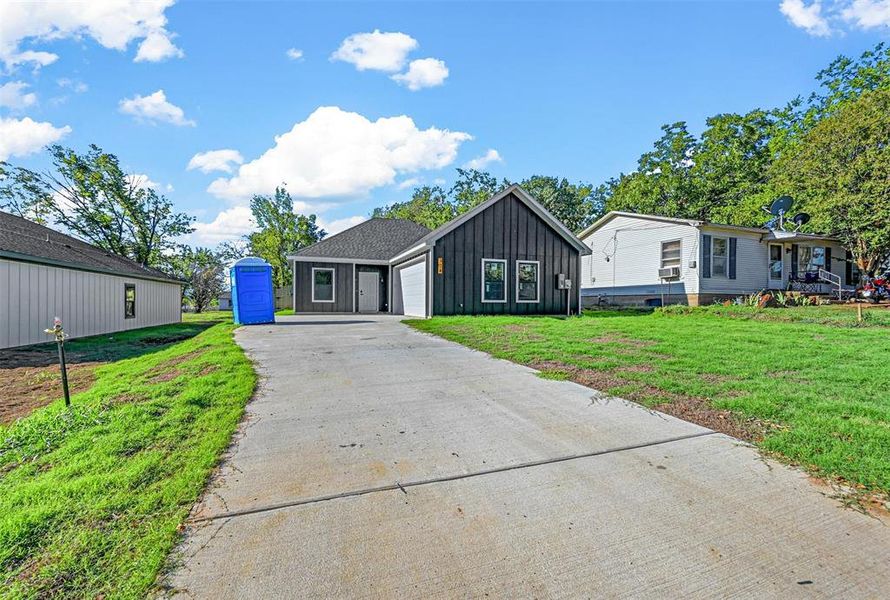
point(160, 340)
point(164, 376)
point(700, 412)
point(600, 380)
point(169, 369)
point(714, 378)
point(635, 369)
point(27, 388)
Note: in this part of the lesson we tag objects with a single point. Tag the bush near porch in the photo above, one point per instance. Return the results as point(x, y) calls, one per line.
point(805, 384)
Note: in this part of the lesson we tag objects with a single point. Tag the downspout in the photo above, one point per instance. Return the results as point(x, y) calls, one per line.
point(294, 286)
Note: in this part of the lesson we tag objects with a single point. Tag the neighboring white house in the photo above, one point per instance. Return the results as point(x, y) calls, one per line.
point(711, 262)
point(46, 274)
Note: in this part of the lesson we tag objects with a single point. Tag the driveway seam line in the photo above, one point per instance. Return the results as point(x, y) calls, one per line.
point(403, 486)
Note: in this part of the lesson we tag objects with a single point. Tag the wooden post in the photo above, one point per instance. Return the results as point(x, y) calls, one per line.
point(859, 312)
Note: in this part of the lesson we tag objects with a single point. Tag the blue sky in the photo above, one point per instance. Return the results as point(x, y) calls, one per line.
point(575, 89)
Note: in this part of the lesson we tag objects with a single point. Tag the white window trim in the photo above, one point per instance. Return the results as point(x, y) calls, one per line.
point(482, 290)
point(680, 258)
point(769, 261)
point(333, 284)
point(537, 281)
point(725, 273)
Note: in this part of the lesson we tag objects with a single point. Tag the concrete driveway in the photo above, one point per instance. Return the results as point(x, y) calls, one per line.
point(380, 462)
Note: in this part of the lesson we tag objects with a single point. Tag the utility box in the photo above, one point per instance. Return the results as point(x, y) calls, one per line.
point(253, 302)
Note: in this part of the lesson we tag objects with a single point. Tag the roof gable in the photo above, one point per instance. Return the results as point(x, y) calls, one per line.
point(526, 198)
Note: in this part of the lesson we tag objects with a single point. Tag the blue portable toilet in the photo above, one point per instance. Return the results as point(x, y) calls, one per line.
point(252, 299)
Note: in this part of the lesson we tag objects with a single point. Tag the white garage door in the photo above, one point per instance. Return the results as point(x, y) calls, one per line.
point(412, 286)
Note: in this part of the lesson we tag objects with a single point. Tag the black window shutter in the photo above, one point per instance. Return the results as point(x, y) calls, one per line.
point(828, 259)
point(794, 260)
point(706, 256)
point(848, 276)
point(732, 251)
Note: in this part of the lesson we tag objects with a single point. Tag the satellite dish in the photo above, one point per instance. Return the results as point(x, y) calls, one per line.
point(781, 205)
point(800, 219)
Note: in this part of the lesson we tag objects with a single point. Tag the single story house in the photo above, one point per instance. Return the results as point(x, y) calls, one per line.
point(46, 274)
point(646, 259)
point(507, 255)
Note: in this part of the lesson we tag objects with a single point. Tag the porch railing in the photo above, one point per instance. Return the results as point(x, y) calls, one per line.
point(834, 280)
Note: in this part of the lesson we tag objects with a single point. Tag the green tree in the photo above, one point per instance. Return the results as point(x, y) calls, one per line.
point(577, 205)
point(91, 196)
point(473, 187)
point(22, 193)
point(280, 231)
point(841, 172)
point(429, 206)
point(203, 270)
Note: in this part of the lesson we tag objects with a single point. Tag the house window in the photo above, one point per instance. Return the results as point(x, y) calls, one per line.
point(129, 301)
point(671, 254)
point(494, 280)
point(719, 256)
point(775, 262)
point(527, 289)
point(322, 285)
point(810, 259)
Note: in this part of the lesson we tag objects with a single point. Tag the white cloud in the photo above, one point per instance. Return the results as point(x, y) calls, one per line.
point(808, 18)
point(868, 14)
point(410, 182)
point(113, 25)
point(832, 16)
point(338, 225)
point(229, 225)
point(78, 87)
point(155, 108)
point(13, 95)
point(143, 181)
point(294, 54)
point(334, 153)
point(215, 160)
point(423, 73)
point(156, 47)
point(378, 50)
point(480, 162)
point(21, 137)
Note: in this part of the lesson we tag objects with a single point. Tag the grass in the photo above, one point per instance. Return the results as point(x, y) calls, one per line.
point(91, 499)
point(814, 393)
point(284, 312)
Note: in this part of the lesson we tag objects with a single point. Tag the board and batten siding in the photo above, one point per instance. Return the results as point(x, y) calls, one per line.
point(88, 303)
point(510, 230)
point(343, 288)
point(633, 246)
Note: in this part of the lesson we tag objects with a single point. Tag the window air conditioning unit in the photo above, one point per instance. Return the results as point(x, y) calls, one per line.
point(669, 273)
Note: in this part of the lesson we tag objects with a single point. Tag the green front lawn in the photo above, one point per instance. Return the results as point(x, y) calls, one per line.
point(91, 499)
point(815, 393)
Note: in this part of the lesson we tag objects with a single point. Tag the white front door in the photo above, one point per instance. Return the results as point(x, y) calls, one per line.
point(368, 291)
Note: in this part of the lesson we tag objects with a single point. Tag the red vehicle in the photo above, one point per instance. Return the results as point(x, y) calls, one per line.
point(875, 289)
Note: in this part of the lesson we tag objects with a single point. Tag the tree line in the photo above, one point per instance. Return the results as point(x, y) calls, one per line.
point(93, 198)
point(830, 151)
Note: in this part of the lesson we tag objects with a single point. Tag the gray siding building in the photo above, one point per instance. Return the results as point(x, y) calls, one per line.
point(46, 274)
point(507, 255)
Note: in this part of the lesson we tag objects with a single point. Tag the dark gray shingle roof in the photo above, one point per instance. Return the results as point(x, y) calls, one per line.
point(375, 239)
point(26, 240)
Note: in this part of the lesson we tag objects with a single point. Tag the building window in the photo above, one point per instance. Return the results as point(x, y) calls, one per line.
point(494, 280)
point(671, 254)
point(527, 288)
point(322, 285)
point(810, 259)
point(129, 301)
point(776, 265)
point(719, 256)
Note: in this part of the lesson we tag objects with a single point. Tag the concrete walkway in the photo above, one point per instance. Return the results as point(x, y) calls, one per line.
point(380, 462)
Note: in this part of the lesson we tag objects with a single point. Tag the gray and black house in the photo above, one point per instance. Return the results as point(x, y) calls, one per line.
point(507, 255)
